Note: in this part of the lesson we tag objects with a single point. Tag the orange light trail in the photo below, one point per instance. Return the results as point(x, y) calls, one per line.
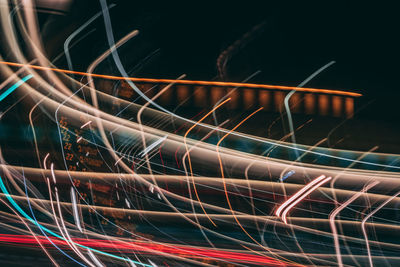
point(223, 177)
point(188, 153)
point(191, 82)
point(224, 183)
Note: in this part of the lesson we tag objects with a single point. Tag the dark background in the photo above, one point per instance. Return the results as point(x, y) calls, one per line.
point(286, 42)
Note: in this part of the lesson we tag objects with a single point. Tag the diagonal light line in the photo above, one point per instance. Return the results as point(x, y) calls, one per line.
point(15, 86)
point(284, 214)
point(152, 146)
point(300, 192)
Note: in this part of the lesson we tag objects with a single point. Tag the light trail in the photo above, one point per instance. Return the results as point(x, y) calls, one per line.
point(15, 86)
point(335, 212)
point(86, 124)
point(367, 218)
point(300, 198)
point(152, 146)
point(287, 175)
point(102, 196)
point(223, 177)
point(16, 206)
point(75, 210)
point(188, 152)
point(190, 82)
point(298, 194)
point(149, 248)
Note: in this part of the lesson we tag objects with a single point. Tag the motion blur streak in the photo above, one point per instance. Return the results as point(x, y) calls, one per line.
point(51, 232)
point(188, 167)
point(335, 212)
point(299, 193)
point(188, 153)
point(15, 86)
point(147, 248)
point(367, 218)
point(300, 198)
point(188, 82)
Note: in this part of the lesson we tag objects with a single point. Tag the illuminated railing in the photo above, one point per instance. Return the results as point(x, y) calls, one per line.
point(202, 96)
point(323, 102)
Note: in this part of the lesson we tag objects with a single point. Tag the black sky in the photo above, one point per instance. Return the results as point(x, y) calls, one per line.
point(290, 43)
